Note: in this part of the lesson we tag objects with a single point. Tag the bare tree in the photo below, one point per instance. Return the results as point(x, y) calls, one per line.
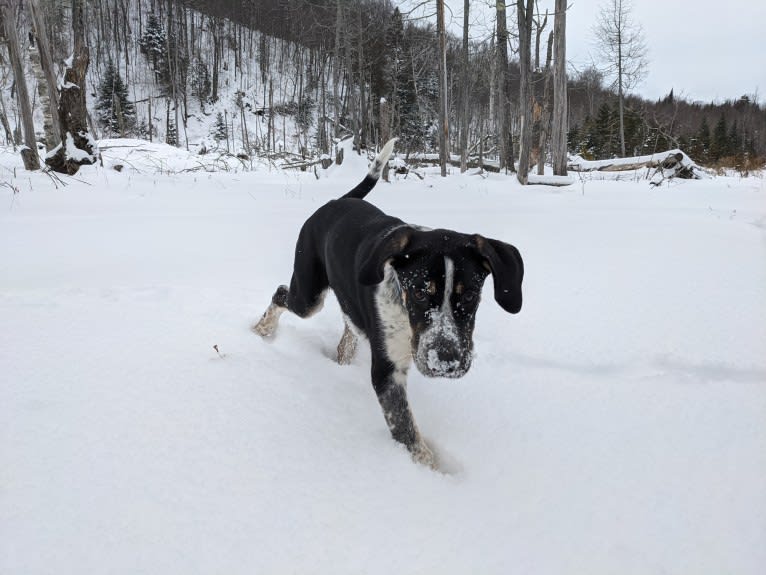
point(524, 20)
point(545, 115)
point(46, 76)
point(464, 113)
point(622, 50)
point(505, 148)
point(443, 104)
point(559, 127)
point(29, 153)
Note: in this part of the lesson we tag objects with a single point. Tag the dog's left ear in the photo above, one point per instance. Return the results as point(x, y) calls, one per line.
point(373, 268)
point(507, 267)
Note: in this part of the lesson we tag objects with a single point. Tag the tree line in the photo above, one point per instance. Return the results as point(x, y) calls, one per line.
point(307, 72)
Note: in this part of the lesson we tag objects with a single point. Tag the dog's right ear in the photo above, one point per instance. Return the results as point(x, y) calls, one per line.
point(373, 268)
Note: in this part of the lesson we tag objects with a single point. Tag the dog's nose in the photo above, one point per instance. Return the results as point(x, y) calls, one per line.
point(448, 361)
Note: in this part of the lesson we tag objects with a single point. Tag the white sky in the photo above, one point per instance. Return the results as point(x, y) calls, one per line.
point(705, 50)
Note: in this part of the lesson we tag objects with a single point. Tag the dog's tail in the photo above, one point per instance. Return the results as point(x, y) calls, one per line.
point(372, 177)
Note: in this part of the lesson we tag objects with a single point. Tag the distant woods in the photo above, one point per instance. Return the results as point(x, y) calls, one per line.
point(292, 76)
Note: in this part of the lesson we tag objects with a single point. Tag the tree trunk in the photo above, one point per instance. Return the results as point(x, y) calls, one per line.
point(4, 118)
point(73, 114)
point(559, 127)
point(545, 116)
point(362, 82)
point(501, 103)
point(29, 153)
point(46, 82)
point(620, 98)
point(464, 93)
point(385, 129)
point(337, 69)
point(443, 119)
point(525, 90)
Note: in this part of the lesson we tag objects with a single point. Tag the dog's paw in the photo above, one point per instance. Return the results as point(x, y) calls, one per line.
point(267, 325)
point(263, 329)
point(423, 454)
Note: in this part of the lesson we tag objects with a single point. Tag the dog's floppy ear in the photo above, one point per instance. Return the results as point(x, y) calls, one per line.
point(507, 267)
point(372, 269)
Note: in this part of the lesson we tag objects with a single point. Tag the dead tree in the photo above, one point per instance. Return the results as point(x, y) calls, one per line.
point(559, 123)
point(46, 76)
point(545, 113)
point(465, 107)
point(443, 104)
point(525, 15)
point(505, 147)
point(78, 147)
point(29, 152)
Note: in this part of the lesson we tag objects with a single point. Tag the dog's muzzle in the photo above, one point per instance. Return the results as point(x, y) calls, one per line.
point(441, 352)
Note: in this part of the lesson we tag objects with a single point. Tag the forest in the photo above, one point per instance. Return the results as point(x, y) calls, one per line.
point(291, 77)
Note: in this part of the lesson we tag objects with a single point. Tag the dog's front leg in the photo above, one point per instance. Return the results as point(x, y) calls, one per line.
point(390, 385)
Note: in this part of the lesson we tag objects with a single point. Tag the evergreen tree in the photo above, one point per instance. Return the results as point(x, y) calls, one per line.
point(200, 82)
point(734, 143)
point(701, 148)
point(172, 135)
point(719, 146)
point(115, 112)
point(154, 46)
point(220, 131)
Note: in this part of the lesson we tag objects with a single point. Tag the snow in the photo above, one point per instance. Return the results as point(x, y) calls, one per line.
point(617, 424)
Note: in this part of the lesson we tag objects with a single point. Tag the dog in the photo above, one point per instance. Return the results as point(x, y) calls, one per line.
point(412, 292)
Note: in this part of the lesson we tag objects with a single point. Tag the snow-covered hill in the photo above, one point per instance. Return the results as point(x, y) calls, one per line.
point(616, 425)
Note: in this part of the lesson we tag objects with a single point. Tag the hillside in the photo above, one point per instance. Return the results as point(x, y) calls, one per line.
point(288, 79)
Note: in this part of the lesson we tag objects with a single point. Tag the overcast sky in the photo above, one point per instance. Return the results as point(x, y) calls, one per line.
point(705, 49)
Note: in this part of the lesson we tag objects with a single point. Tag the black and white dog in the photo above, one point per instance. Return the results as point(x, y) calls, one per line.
point(411, 291)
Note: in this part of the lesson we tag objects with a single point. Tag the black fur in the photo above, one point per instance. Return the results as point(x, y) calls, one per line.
point(391, 280)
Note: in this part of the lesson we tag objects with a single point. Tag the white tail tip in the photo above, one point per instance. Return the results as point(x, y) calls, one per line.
point(382, 158)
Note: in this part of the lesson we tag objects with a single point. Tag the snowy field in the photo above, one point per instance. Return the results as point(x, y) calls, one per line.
point(617, 425)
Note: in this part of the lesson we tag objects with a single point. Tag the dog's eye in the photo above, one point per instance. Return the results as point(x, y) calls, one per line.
point(419, 295)
point(469, 296)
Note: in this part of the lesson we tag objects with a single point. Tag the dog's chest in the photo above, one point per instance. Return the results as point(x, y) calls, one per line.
point(393, 318)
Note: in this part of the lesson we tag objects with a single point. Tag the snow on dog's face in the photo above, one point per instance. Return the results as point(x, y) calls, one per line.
point(440, 275)
point(441, 297)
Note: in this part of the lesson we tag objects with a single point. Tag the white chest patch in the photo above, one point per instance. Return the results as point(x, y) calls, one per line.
point(394, 321)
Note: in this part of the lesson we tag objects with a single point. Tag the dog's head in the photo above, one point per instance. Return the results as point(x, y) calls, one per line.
point(441, 274)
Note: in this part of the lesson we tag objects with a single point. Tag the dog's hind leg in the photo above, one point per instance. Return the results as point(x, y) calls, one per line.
point(304, 298)
point(267, 325)
point(347, 345)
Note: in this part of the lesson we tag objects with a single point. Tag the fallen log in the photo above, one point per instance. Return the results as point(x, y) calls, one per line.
point(673, 164)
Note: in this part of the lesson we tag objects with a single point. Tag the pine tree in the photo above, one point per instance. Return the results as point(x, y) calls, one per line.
point(719, 146)
point(220, 131)
point(734, 147)
point(171, 137)
point(154, 46)
point(116, 112)
point(200, 82)
point(701, 150)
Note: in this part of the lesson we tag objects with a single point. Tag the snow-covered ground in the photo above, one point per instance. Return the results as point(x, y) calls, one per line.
point(616, 425)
